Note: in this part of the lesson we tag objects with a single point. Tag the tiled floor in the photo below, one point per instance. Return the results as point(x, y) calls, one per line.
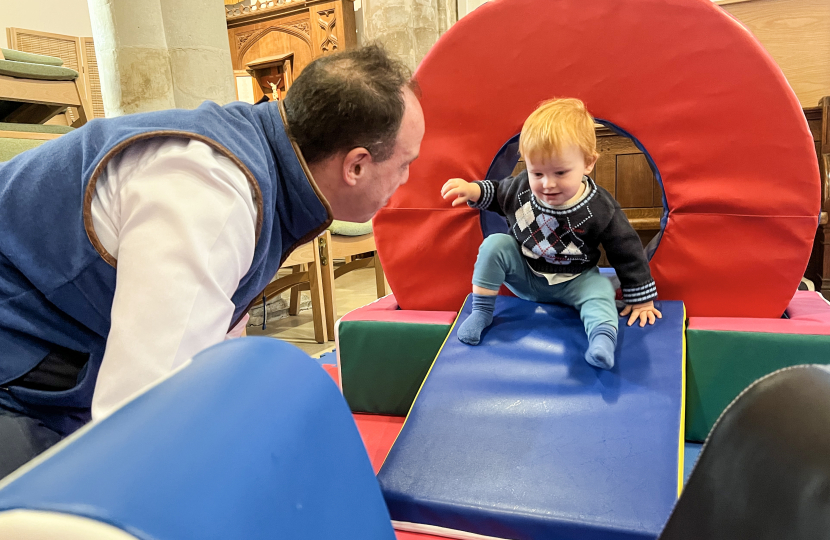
point(353, 290)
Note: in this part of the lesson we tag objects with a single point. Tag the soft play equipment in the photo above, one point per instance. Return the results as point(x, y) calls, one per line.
point(764, 471)
point(384, 353)
point(724, 132)
point(251, 440)
point(725, 355)
point(520, 438)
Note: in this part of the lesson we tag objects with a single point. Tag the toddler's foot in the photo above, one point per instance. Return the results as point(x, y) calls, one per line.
point(601, 345)
point(482, 316)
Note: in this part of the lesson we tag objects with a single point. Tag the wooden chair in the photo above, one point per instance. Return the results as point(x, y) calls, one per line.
point(29, 97)
point(305, 262)
point(335, 246)
point(17, 138)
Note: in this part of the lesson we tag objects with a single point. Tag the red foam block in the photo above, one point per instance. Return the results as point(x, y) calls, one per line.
point(386, 309)
point(379, 434)
point(808, 312)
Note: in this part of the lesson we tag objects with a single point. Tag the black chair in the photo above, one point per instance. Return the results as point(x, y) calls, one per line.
point(764, 471)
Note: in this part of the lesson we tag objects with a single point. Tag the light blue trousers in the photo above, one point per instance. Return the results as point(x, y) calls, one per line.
point(500, 260)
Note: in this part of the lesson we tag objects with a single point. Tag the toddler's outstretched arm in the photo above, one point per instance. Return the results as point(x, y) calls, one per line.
point(461, 190)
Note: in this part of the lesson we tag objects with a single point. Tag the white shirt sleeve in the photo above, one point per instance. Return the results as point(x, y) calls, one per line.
point(180, 219)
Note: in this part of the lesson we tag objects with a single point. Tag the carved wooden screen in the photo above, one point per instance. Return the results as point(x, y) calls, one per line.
point(306, 29)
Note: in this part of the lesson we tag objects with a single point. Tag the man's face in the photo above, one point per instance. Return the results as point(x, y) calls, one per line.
point(385, 177)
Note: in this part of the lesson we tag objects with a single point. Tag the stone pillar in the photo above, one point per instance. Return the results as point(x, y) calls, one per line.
point(200, 56)
point(161, 54)
point(131, 51)
point(407, 28)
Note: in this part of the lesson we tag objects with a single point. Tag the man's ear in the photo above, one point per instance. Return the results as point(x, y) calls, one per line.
point(354, 165)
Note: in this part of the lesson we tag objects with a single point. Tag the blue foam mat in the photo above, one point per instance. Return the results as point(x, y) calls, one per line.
point(520, 438)
point(329, 358)
point(236, 445)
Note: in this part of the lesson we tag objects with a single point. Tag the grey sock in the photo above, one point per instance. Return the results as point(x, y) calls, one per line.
point(601, 345)
point(470, 330)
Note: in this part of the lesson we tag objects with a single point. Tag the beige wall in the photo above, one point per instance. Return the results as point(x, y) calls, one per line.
point(70, 17)
point(797, 35)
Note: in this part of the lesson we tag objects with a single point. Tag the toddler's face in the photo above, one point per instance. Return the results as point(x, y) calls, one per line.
point(557, 180)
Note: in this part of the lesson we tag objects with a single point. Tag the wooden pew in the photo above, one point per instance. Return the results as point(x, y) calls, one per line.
point(818, 269)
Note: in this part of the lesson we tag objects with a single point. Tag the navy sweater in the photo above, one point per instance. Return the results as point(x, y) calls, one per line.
point(567, 241)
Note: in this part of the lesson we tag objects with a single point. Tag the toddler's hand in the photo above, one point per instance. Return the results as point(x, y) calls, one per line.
point(645, 312)
point(462, 190)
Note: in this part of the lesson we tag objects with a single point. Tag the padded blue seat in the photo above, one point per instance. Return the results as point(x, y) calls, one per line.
point(251, 440)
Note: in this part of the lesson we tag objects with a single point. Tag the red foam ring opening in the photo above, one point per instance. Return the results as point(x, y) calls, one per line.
point(714, 112)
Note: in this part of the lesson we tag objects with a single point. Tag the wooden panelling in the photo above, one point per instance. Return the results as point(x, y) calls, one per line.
point(520, 166)
point(818, 268)
point(349, 26)
point(605, 172)
point(644, 218)
point(797, 35)
point(271, 39)
point(657, 194)
point(611, 143)
point(634, 181)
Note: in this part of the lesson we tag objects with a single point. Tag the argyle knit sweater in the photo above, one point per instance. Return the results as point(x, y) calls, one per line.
point(567, 241)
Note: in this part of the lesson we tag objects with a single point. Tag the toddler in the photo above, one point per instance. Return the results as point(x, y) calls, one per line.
point(558, 217)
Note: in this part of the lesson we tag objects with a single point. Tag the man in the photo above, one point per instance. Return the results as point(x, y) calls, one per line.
point(131, 244)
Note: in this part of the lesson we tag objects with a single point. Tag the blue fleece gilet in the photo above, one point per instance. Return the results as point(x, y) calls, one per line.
point(56, 287)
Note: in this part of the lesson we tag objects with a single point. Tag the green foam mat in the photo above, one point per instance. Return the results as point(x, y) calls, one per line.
point(382, 364)
point(721, 364)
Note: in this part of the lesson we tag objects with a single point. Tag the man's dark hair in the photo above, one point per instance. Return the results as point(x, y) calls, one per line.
point(351, 99)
